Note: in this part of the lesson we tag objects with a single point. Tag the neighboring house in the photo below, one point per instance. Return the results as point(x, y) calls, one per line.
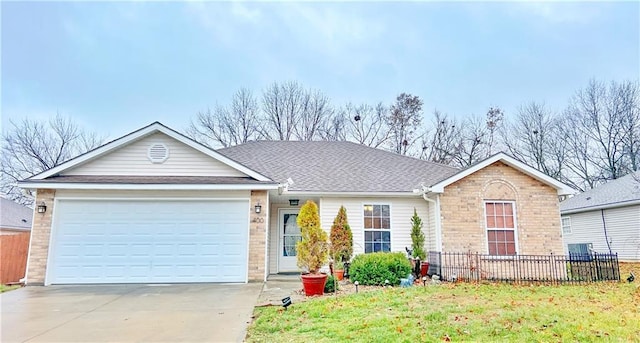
point(155, 206)
point(605, 219)
point(15, 225)
point(14, 218)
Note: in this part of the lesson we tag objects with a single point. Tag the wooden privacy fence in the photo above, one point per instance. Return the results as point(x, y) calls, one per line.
point(573, 268)
point(13, 257)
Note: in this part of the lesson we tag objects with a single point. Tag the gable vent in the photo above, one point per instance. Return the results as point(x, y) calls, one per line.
point(158, 153)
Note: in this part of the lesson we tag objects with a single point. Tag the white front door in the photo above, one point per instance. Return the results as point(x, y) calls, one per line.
point(289, 234)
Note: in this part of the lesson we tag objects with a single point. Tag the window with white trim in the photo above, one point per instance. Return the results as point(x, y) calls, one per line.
point(501, 228)
point(377, 228)
point(566, 225)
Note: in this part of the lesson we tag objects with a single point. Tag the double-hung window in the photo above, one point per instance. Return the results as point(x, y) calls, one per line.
point(377, 228)
point(566, 225)
point(501, 228)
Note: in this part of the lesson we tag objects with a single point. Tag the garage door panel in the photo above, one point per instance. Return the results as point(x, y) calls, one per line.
point(149, 241)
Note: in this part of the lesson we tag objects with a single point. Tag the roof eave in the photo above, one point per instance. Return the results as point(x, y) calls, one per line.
point(149, 186)
point(352, 194)
point(601, 207)
point(141, 133)
point(561, 188)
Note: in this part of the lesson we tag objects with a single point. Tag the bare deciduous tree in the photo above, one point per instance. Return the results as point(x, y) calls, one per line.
point(441, 144)
point(474, 142)
point(597, 112)
point(366, 124)
point(30, 147)
point(532, 138)
point(227, 126)
point(315, 111)
point(282, 105)
point(404, 119)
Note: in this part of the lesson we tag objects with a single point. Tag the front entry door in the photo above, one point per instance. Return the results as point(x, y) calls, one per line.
point(289, 236)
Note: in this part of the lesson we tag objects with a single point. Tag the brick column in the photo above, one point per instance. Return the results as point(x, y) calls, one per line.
point(258, 236)
point(40, 236)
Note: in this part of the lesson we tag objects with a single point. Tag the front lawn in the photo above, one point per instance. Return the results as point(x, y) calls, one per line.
point(5, 288)
point(460, 312)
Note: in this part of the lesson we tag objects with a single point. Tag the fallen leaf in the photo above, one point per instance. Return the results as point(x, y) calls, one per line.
point(446, 338)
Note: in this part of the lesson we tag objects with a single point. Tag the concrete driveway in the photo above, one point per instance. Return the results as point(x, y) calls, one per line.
point(128, 313)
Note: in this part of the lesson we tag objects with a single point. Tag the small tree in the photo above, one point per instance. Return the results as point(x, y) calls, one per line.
point(312, 250)
point(341, 237)
point(417, 237)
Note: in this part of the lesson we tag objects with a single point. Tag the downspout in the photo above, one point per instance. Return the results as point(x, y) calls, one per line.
point(436, 205)
point(604, 227)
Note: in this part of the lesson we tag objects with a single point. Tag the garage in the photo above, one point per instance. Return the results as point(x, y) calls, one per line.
point(148, 241)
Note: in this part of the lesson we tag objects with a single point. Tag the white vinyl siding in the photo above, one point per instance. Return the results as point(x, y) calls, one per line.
point(401, 213)
point(133, 160)
point(623, 229)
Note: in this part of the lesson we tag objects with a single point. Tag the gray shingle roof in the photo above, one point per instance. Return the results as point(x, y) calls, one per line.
point(620, 191)
point(15, 216)
point(321, 166)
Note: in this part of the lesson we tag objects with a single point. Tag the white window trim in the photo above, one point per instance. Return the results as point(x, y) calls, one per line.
point(562, 219)
point(362, 205)
point(515, 226)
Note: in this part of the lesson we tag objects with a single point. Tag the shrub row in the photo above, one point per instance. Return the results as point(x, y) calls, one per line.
point(375, 268)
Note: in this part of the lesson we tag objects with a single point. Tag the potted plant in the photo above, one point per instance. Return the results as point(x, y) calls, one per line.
point(417, 242)
point(341, 242)
point(312, 250)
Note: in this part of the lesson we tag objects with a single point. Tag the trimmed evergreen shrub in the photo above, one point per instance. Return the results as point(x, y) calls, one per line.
point(375, 268)
point(417, 237)
point(341, 239)
point(313, 249)
point(331, 285)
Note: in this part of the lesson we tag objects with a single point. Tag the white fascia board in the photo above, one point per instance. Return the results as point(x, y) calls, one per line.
point(354, 194)
point(562, 188)
point(143, 132)
point(601, 207)
point(128, 186)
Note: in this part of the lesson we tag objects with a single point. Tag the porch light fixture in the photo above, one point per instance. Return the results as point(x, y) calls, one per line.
point(42, 208)
point(258, 208)
point(294, 202)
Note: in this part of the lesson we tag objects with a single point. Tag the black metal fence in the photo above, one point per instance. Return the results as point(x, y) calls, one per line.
point(573, 268)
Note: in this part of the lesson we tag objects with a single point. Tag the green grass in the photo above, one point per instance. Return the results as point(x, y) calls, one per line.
point(5, 288)
point(460, 312)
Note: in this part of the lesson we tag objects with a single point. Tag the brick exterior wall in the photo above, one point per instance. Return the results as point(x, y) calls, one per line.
point(258, 236)
point(537, 211)
point(40, 233)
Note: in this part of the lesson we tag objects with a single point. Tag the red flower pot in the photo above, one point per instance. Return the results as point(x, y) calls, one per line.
point(313, 284)
point(424, 268)
point(339, 274)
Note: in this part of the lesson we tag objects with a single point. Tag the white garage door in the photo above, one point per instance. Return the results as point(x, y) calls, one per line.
point(149, 241)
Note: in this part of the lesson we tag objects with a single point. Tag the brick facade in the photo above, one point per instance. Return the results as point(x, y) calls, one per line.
point(537, 211)
point(40, 236)
point(258, 236)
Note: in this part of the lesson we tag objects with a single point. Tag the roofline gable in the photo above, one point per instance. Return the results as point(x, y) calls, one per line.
point(561, 187)
point(139, 134)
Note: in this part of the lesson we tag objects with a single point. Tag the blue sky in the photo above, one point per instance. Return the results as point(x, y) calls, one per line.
point(117, 66)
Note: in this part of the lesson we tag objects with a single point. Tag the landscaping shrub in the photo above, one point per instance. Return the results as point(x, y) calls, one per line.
point(331, 285)
point(375, 268)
